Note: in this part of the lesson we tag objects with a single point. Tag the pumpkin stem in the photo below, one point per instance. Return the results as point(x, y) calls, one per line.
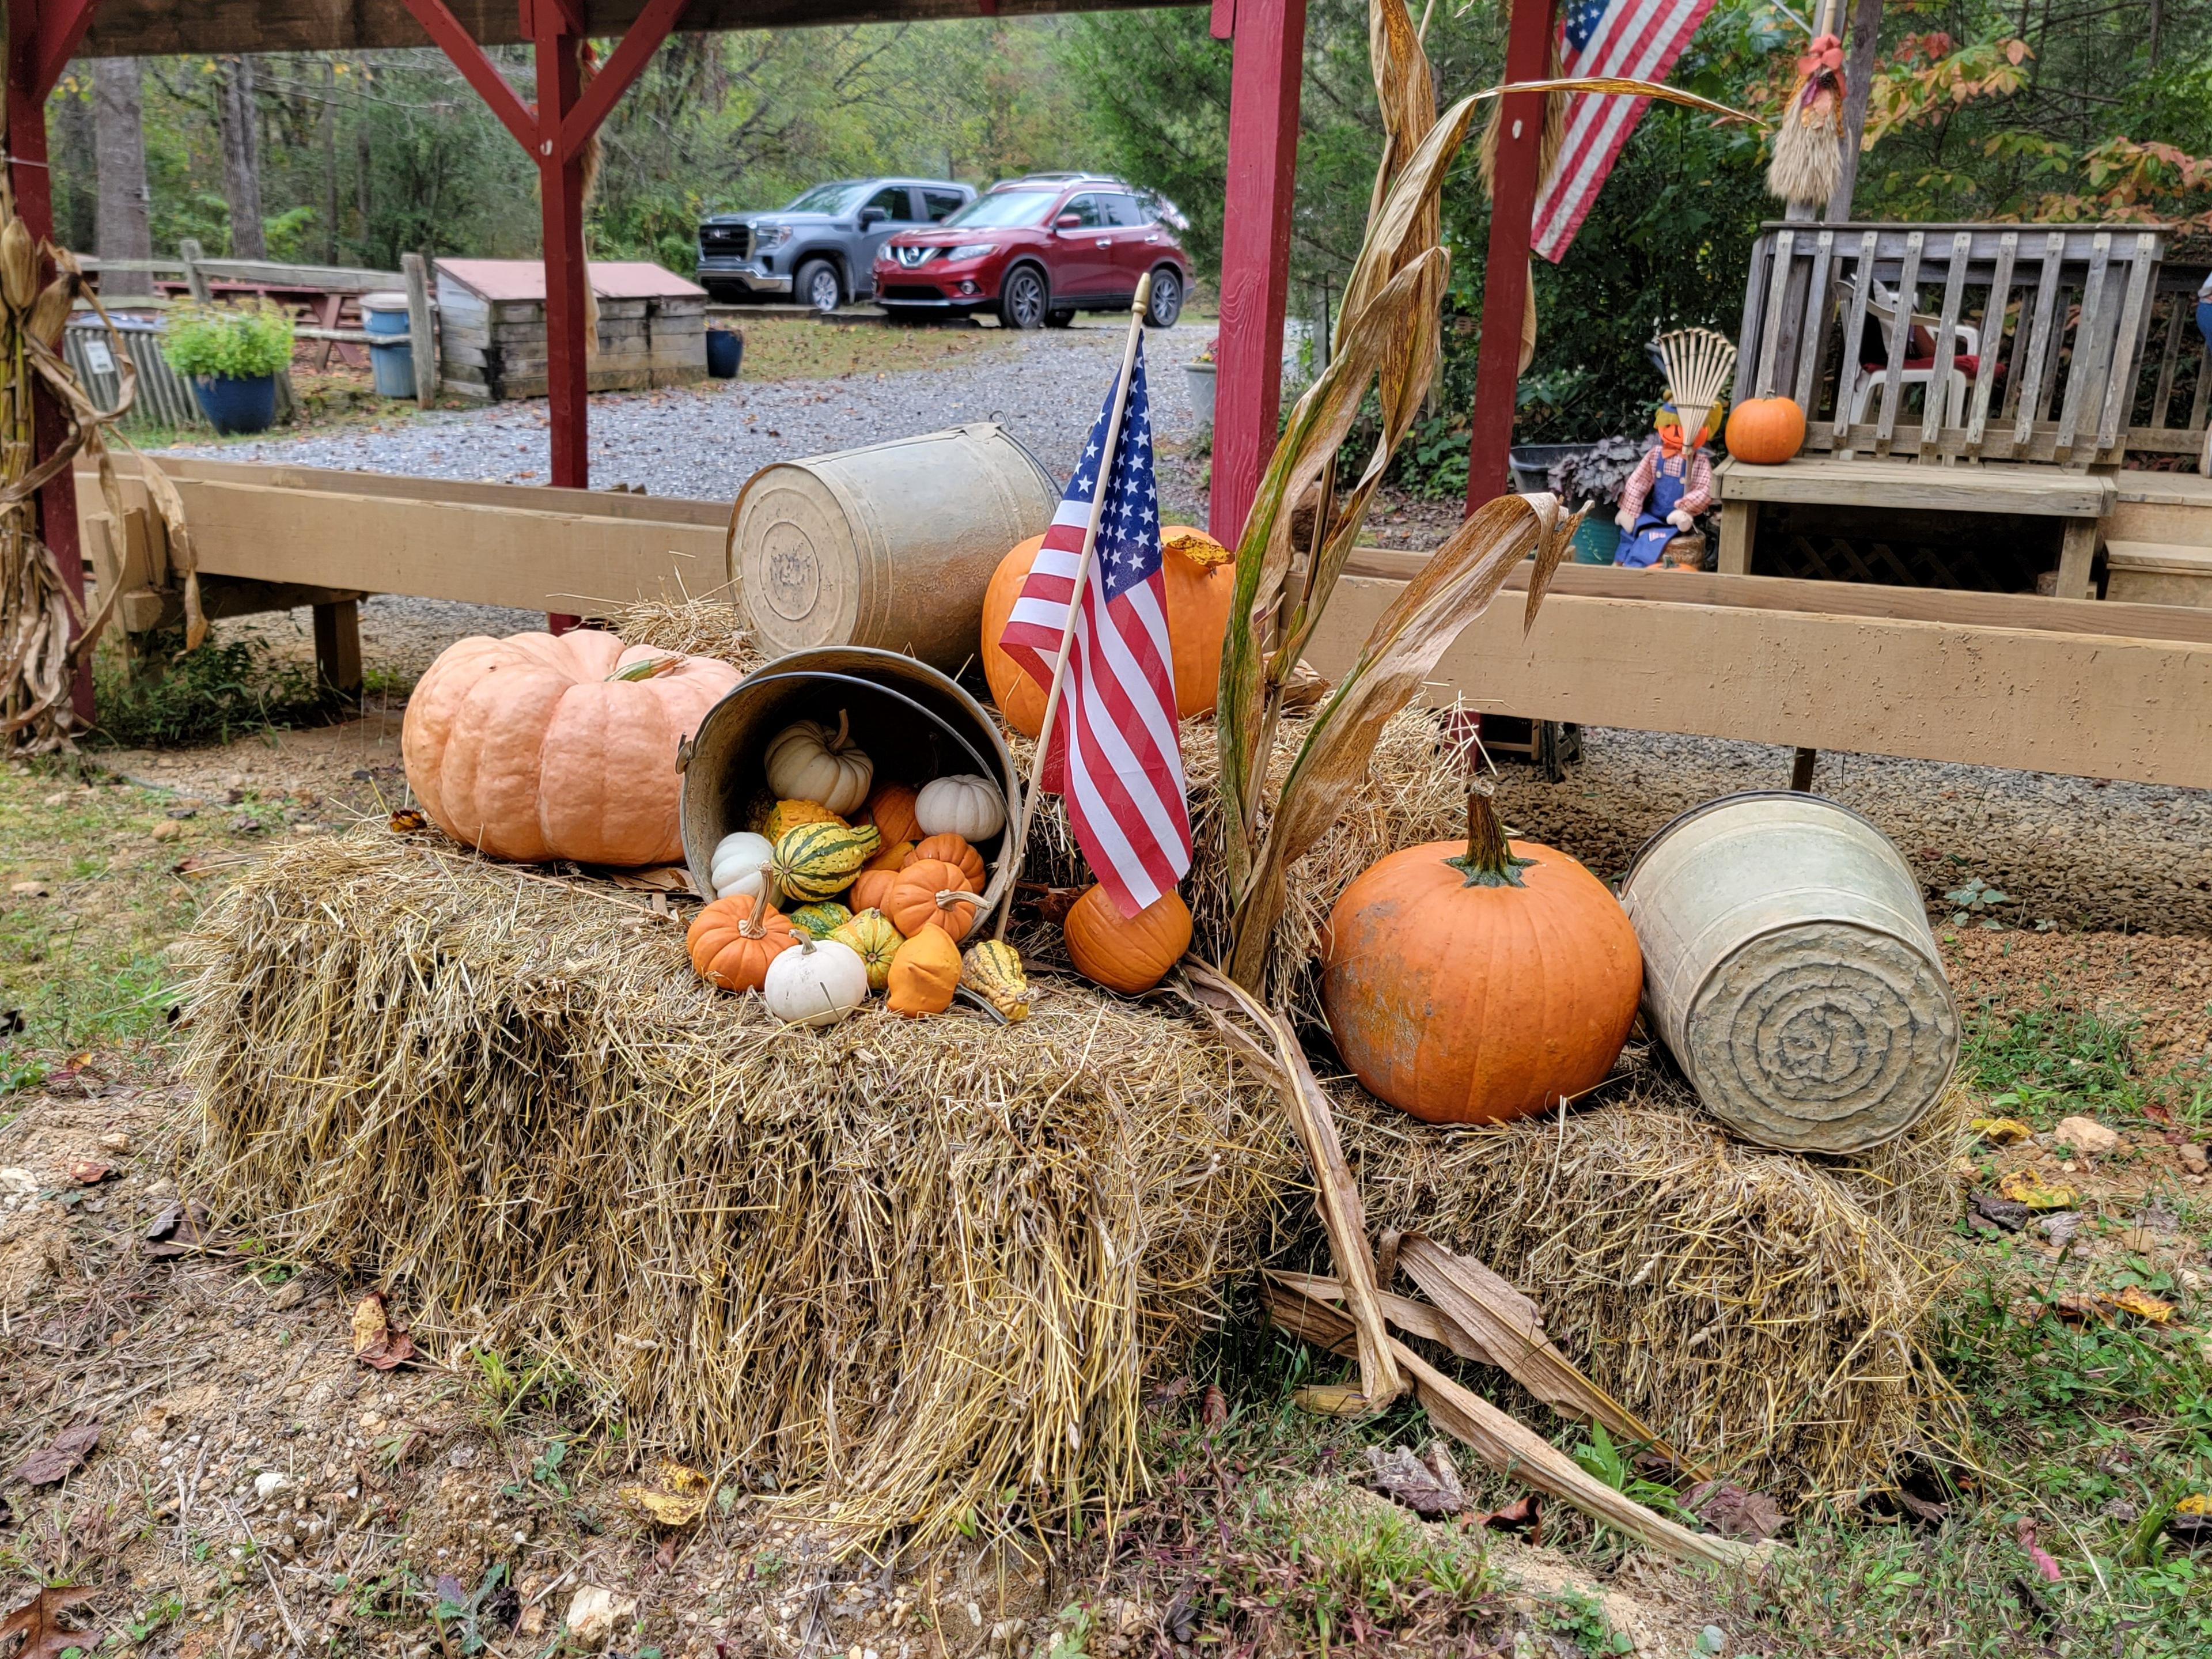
point(844, 732)
point(651, 668)
point(1488, 861)
point(756, 925)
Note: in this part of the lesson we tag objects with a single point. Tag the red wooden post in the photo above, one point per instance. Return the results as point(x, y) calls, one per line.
point(1255, 246)
point(561, 207)
point(1506, 273)
point(40, 38)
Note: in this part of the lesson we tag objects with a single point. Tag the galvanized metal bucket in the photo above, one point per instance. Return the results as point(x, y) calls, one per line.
point(914, 723)
point(1790, 968)
point(890, 546)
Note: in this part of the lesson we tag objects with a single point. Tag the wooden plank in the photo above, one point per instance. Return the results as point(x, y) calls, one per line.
point(2037, 344)
point(2169, 360)
point(2088, 356)
point(2127, 349)
point(337, 645)
point(1770, 339)
point(1815, 332)
point(1993, 334)
point(1900, 335)
point(2077, 554)
point(421, 341)
point(1739, 536)
point(1935, 407)
point(1747, 329)
point(2045, 491)
point(2089, 705)
point(2031, 611)
point(1847, 372)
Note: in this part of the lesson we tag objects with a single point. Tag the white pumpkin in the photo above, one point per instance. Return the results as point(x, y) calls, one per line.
point(963, 804)
point(739, 865)
point(807, 760)
point(817, 984)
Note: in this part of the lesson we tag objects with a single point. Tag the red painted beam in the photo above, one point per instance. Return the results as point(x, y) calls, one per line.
point(478, 70)
point(1505, 273)
point(62, 24)
point(561, 209)
point(32, 39)
point(1256, 248)
point(653, 25)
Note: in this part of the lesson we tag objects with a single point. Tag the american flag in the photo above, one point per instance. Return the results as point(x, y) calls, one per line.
point(1631, 39)
point(1122, 772)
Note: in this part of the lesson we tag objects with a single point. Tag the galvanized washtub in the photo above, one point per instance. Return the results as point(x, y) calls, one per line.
point(891, 545)
point(915, 723)
point(1790, 968)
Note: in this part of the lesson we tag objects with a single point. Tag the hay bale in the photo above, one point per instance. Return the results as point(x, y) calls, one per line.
point(710, 626)
point(1762, 1310)
point(911, 1266)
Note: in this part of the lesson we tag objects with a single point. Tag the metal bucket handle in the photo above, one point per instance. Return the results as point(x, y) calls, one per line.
point(1002, 878)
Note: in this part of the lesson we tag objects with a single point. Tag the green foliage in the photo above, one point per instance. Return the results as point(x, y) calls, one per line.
point(205, 697)
point(238, 340)
point(2045, 1061)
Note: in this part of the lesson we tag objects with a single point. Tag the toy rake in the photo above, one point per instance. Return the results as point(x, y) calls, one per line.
point(1697, 363)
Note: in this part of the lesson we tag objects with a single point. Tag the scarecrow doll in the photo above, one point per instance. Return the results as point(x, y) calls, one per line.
point(1674, 482)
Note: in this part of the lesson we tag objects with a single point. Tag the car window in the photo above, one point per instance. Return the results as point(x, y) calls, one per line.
point(825, 198)
point(942, 203)
point(1086, 210)
point(891, 199)
point(1007, 207)
point(1122, 210)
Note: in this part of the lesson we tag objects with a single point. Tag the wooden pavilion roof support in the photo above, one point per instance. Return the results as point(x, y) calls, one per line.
point(42, 37)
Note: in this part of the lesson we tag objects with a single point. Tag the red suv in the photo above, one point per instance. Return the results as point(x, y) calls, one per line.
point(1035, 250)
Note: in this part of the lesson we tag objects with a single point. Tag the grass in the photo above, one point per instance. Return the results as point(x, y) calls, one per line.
point(187, 699)
point(801, 349)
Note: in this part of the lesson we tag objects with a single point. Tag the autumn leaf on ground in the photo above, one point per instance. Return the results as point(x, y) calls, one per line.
point(677, 1497)
point(1999, 1131)
point(2142, 1305)
point(55, 1462)
point(2026, 1187)
point(182, 1230)
point(377, 1342)
point(86, 1172)
point(1330, 1400)
point(1734, 1512)
point(408, 819)
point(35, 1621)
point(1524, 1516)
point(1429, 1486)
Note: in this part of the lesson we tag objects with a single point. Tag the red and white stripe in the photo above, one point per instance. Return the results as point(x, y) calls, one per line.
point(1125, 788)
point(1637, 40)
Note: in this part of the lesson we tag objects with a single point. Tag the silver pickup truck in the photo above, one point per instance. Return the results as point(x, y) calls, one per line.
point(820, 247)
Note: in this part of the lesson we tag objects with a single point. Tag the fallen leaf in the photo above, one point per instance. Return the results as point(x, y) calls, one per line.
point(35, 1621)
point(182, 1230)
point(377, 1342)
point(654, 879)
point(86, 1173)
point(1168, 1392)
point(1999, 1131)
point(676, 1498)
point(2005, 1212)
point(1523, 1514)
point(55, 1461)
point(1428, 1488)
point(2192, 1519)
point(2026, 1187)
point(1212, 1408)
point(408, 819)
point(2024, 1530)
point(1921, 1509)
point(2143, 1305)
point(2083, 1310)
point(2060, 1225)
point(1734, 1512)
point(1330, 1400)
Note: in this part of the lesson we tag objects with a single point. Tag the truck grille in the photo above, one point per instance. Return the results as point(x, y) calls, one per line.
point(730, 239)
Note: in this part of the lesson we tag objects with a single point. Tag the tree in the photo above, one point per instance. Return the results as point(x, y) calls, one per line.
point(124, 224)
point(238, 120)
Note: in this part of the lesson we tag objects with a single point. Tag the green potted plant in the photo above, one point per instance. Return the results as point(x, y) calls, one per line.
point(231, 354)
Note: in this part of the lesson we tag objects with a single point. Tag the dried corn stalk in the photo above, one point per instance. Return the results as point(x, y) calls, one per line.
point(45, 633)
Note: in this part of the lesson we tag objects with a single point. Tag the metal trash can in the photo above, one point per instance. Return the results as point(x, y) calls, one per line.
point(1790, 968)
point(392, 366)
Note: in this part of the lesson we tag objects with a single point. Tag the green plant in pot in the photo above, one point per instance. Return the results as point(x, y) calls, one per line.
point(231, 354)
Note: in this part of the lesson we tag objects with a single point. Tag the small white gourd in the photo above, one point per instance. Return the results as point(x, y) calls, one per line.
point(739, 865)
point(963, 804)
point(809, 761)
point(817, 983)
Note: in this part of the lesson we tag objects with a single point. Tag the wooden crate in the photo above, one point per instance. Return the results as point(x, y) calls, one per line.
point(493, 344)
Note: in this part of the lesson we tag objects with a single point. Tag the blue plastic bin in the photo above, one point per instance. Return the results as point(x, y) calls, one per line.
point(393, 366)
point(726, 351)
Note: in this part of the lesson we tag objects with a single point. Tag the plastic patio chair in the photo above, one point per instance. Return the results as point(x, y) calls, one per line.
point(1919, 368)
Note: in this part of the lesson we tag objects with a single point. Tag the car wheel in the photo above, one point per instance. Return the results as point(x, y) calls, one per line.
point(1022, 302)
point(1167, 298)
point(1064, 318)
point(817, 285)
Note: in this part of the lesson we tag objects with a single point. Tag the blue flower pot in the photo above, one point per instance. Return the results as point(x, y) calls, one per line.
point(237, 406)
point(725, 352)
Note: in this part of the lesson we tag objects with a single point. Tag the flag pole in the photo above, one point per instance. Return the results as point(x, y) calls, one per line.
point(1020, 829)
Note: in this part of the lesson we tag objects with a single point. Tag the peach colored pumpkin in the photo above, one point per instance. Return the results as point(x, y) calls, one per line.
point(1202, 585)
point(534, 747)
point(1478, 981)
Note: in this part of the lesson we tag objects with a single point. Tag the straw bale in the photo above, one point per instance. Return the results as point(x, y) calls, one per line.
point(711, 627)
point(907, 1266)
point(1764, 1311)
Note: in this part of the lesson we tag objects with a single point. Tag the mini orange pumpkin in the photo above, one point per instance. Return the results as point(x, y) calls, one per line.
point(1480, 983)
point(733, 940)
point(872, 888)
point(891, 809)
point(927, 894)
point(951, 849)
point(1766, 431)
point(1126, 954)
point(925, 973)
point(1201, 578)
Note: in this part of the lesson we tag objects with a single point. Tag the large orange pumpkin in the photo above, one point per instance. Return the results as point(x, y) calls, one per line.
point(534, 747)
point(1202, 585)
point(1479, 983)
point(1126, 954)
point(733, 940)
point(1766, 431)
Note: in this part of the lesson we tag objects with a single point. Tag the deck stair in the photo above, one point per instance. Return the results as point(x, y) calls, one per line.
point(2158, 539)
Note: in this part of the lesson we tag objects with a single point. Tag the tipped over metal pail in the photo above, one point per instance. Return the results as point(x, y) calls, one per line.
point(1790, 968)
